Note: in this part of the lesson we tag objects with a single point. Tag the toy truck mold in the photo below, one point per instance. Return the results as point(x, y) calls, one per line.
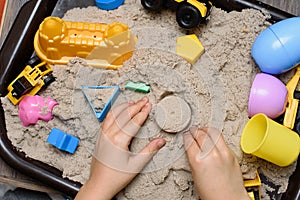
point(101, 45)
point(30, 81)
point(189, 14)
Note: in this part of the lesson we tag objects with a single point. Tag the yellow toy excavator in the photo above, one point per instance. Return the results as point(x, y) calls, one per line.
point(290, 117)
point(35, 76)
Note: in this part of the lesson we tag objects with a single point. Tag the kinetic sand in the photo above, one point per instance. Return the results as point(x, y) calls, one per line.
point(216, 88)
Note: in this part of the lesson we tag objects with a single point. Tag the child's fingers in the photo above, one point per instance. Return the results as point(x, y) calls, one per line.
point(153, 146)
point(127, 114)
point(124, 116)
point(133, 126)
point(199, 136)
point(204, 141)
point(113, 114)
point(191, 146)
point(216, 137)
point(145, 155)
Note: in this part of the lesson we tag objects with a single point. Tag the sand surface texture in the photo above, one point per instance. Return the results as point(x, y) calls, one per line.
point(216, 89)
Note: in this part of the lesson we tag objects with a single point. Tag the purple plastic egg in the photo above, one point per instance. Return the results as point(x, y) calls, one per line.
point(268, 95)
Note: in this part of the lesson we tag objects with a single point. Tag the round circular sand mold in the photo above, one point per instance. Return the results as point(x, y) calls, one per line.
point(173, 114)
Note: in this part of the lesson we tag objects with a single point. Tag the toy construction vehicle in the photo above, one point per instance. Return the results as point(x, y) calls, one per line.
point(291, 116)
point(253, 187)
point(101, 45)
point(33, 78)
point(189, 14)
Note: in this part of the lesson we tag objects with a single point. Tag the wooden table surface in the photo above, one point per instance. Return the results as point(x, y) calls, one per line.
point(13, 177)
point(291, 6)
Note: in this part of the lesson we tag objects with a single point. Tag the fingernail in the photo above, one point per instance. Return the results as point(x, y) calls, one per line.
point(160, 144)
point(145, 99)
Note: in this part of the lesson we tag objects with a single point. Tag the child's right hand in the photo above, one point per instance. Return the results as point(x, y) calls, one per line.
point(215, 169)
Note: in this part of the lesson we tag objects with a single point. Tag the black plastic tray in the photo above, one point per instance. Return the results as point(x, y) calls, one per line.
point(17, 50)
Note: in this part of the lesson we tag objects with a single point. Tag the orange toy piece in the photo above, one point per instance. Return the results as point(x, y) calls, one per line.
point(102, 45)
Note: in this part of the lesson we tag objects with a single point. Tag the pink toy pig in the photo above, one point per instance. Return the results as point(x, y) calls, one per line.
point(33, 108)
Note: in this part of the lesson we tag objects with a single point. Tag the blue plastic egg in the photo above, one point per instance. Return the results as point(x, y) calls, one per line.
point(277, 49)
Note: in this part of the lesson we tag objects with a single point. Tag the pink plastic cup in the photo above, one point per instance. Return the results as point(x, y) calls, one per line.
point(268, 95)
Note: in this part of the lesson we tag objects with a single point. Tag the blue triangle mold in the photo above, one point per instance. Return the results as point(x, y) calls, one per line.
point(101, 114)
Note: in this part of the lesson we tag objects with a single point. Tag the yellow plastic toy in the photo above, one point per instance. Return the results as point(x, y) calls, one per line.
point(189, 14)
point(270, 140)
point(292, 105)
point(253, 187)
point(189, 47)
point(30, 81)
point(102, 45)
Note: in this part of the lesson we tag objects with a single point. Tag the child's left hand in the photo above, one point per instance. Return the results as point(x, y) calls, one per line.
point(113, 165)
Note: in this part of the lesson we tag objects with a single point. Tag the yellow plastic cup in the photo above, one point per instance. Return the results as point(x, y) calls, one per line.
point(270, 140)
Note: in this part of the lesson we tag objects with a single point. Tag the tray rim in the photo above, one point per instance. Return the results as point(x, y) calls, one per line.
point(53, 177)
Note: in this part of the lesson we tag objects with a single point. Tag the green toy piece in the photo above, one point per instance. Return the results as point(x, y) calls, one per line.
point(137, 86)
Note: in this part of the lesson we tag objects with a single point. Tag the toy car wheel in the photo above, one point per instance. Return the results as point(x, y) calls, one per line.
point(153, 5)
point(188, 16)
point(48, 79)
point(35, 60)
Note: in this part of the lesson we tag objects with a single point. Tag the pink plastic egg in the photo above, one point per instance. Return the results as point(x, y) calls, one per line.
point(268, 95)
